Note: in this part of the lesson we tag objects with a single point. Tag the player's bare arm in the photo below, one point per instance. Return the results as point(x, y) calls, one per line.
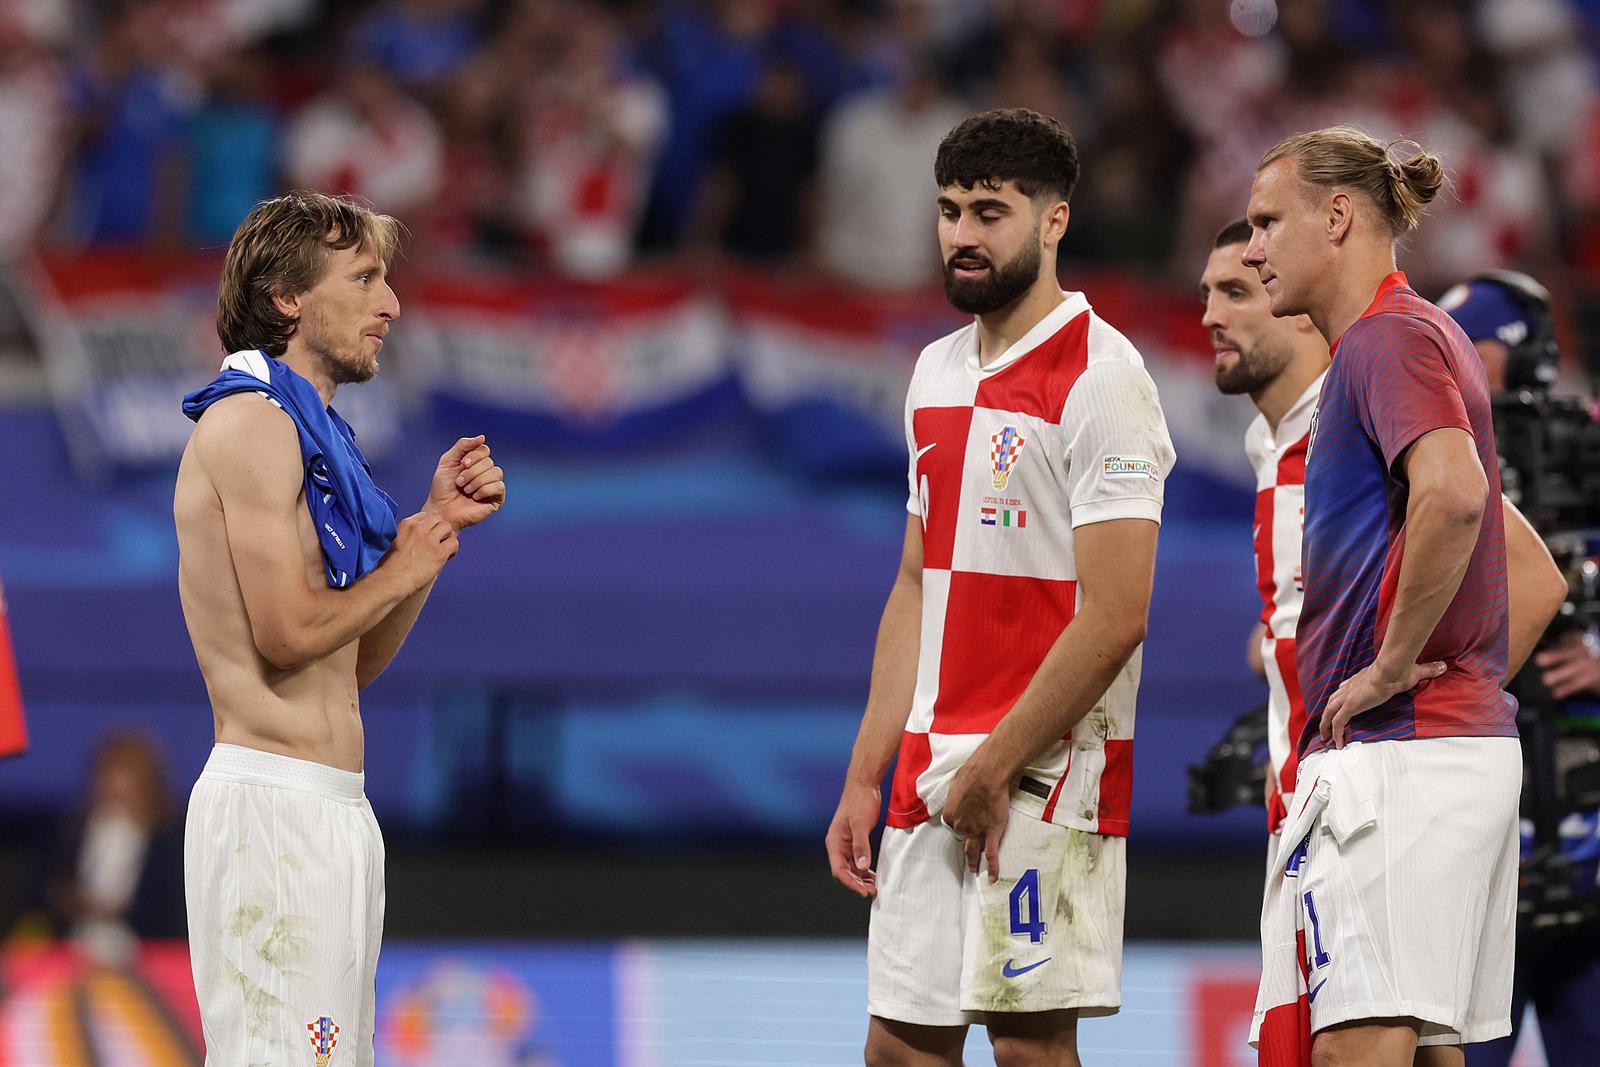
point(1535, 588)
point(467, 487)
point(1252, 650)
point(1444, 511)
point(1116, 571)
point(251, 452)
point(894, 681)
point(1572, 667)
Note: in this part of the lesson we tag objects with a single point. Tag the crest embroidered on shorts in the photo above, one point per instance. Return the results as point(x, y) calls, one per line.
point(324, 1036)
point(1004, 448)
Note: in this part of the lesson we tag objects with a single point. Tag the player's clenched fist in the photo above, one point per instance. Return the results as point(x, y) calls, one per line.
point(422, 546)
point(468, 486)
point(850, 838)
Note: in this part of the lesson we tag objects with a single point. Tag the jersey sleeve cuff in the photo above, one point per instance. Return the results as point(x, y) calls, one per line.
point(1416, 433)
point(1122, 507)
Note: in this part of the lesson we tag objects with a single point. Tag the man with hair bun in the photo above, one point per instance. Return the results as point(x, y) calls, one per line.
point(1403, 839)
point(299, 582)
point(1008, 655)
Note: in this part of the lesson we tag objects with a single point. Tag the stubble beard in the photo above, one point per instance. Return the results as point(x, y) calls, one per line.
point(342, 368)
point(1253, 370)
point(1004, 285)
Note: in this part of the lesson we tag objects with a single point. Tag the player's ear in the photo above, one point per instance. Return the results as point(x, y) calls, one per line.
point(1054, 224)
point(288, 306)
point(1340, 215)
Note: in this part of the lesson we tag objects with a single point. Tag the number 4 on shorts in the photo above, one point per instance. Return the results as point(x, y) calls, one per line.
point(1025, 897)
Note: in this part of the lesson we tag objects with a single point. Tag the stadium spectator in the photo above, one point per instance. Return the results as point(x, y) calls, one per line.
point(708, 59)
point(234, 145)
point(367, 138)
point(420, 43)
point(1580, 182)
point(130, 107)
point(1174, 102)
point(590, 130)
point(115, 873)
point(476, 222)
point(833, 47)
point(32, 118)
point(1127, 205)
point(1449, 97)
point(1550, 78)
point(875, 190)
point(1030, 77)
point(759, 193)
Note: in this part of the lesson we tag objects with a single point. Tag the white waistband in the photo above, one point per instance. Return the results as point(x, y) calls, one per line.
point(235, 763)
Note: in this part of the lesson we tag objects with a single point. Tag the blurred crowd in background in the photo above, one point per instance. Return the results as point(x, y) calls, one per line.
point(588, 137)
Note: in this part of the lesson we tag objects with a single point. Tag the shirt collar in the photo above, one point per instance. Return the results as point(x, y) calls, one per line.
point(1072, 305)
point(1385, 287)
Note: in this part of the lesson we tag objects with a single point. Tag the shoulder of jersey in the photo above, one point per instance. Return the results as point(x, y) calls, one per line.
point(1407, 321)
point(1108, 344)
point(1256, 440)
point(944, 356)
point(951, 345)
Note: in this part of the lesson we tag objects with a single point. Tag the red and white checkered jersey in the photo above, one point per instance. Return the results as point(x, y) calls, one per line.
point(1279, 460)
point(1063, 430)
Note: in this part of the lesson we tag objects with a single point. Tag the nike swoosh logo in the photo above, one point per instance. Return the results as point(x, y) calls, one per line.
point(1313, 994)
point(1014, 972)
point(924, 451)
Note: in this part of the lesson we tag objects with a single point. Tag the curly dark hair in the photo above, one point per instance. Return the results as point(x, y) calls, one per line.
point(1009, 144)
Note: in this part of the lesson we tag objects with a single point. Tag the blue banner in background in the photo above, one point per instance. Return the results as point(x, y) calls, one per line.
point(533, 1006)
point(706, 513)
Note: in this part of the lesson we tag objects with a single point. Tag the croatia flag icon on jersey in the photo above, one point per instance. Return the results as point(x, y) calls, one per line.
point(1004, 448)
point(324, 1036)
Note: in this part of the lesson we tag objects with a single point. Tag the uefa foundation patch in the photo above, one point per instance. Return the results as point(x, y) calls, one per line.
point(1125, 467)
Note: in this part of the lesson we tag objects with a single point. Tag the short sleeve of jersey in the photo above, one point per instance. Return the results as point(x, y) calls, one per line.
point(914, 502)
point(1118, 452)
point(1406, 385)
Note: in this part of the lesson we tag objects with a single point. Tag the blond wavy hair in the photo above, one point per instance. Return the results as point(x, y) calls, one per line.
point(1400, 177)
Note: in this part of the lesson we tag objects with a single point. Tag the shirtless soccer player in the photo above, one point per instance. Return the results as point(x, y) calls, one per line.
point(1008, 656)
point(298, 586)
point(1280, 363)
point(1405, 817)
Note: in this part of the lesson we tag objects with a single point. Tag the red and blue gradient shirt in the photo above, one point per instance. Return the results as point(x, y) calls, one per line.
point(1400, 371)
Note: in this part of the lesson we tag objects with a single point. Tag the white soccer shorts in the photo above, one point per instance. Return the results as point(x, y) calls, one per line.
point(946, 946)
point(1280, 978)
point(283, 871)
point(1408, 883)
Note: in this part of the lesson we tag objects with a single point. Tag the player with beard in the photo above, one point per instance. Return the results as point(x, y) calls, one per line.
point(298, 585)
point(1008, 654)
point(1280, 363)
